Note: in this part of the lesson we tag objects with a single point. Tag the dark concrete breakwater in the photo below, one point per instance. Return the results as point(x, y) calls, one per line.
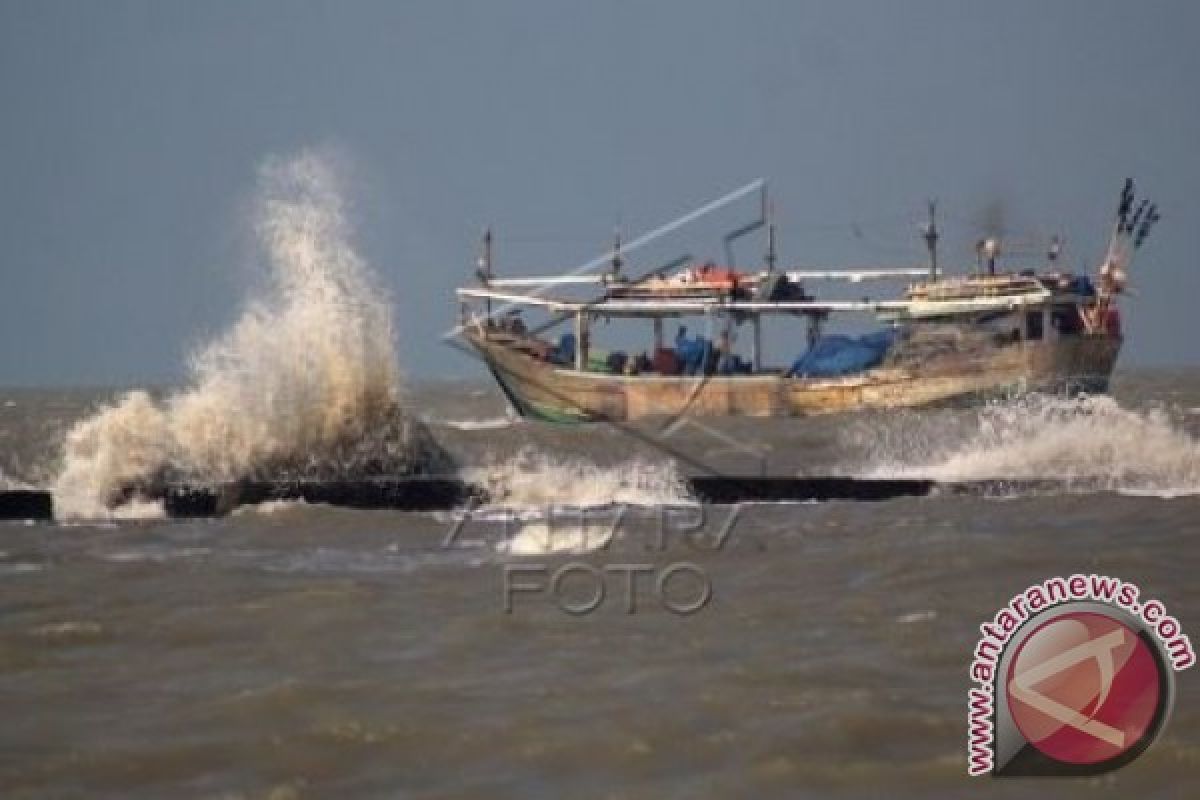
point(425, 493)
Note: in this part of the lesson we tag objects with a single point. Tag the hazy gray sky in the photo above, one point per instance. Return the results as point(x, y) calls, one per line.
point(132, 131)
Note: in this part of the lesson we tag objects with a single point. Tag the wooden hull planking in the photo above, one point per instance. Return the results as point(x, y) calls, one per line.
point(550, 392)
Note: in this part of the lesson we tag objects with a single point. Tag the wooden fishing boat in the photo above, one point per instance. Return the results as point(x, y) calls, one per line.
point(945, 340)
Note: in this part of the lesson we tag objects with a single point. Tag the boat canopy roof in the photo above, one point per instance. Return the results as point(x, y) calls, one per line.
point(1031, 294)
point(796, 275)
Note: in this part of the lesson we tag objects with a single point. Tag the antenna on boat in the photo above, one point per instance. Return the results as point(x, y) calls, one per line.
point(930, 235)
point(1151, 217)
point(617, 261)
point(1129, 232)
point(769, 215)
point(484, 271)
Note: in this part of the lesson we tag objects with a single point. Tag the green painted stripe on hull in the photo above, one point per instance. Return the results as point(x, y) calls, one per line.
point(533, 410)
point(556, 415)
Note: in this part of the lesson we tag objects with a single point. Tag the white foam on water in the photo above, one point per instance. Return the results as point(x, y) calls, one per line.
point(305, 381)
point(534, 481)
point(137, 509)
point(484, 424)
point(1090, 441)
point(556, 535)
point(1165, 494)
point(270, 507)
point(569, 505)
point(7, 483)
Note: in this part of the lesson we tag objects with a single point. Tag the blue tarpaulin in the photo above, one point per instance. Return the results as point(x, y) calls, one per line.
point(565, 352)
point(693, 354)
point(842, 355)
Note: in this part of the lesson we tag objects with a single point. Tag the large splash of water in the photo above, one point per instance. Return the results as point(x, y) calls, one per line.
point(1088, 441)
point(304, 383)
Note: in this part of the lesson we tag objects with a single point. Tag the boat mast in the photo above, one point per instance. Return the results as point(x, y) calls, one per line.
point(581, 340)
point(485, 266)
point(617, 261)
point(768, 212)
point(930, 234)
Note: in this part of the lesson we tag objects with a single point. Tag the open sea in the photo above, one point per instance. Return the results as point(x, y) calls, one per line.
point(294, 651)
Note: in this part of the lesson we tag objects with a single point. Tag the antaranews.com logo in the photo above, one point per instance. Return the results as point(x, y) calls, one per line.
point(1075, 676)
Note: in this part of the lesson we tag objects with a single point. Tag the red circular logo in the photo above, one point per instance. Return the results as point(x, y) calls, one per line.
point(1084, 688)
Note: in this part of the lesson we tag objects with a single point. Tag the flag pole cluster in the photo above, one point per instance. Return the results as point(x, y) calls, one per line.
point(1135, 222)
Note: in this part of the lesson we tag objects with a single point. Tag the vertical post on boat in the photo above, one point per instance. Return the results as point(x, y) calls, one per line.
point(617, 261)
point(930, 234)
point(580, 340)
point(814, 330)
point(769, 215)
point(485, 266)
point(658, 334)
point(756, 319)
point(724, 352)
point(756, 343)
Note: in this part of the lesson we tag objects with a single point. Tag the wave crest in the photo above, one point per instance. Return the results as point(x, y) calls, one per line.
point(305, 383)
point(1089, 440)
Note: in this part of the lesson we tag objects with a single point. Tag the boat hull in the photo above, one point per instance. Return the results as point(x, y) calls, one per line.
point(550, 392)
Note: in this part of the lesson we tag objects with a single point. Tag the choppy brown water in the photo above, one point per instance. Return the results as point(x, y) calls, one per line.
point(314, 652)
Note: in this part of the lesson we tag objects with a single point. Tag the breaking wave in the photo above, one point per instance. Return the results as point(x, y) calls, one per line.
point(305, 383)
point(1090, 441)
point(534, 481)
point(570, 506)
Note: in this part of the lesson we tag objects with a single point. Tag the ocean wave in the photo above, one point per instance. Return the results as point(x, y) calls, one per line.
point(568, 505)
point(1090, 441)
point(305, 383)
point(533, 480)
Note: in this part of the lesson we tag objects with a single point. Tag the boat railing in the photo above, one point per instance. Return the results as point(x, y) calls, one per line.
point(649, 307)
